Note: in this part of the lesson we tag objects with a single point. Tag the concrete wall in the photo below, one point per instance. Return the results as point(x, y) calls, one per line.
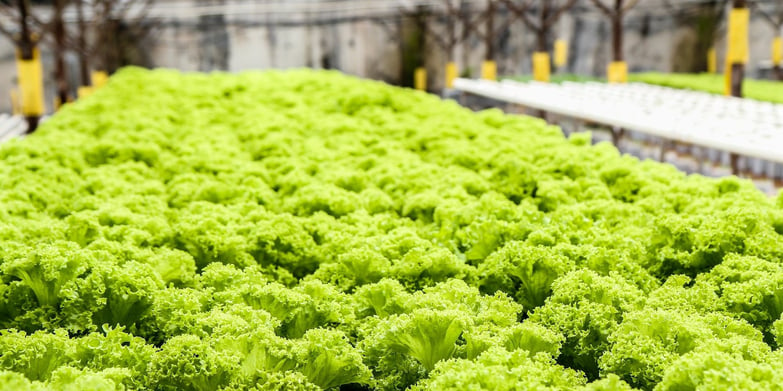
point(371, 48)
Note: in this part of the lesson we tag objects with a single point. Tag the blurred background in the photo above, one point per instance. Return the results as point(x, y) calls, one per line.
point(379, 39)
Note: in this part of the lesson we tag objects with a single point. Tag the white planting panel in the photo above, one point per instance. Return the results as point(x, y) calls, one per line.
point(742, 126)
point(11, 126)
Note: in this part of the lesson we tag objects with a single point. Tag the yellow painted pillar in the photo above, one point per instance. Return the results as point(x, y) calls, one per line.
point(727, 78)
point(84, 92)
point(420, 79)
point(489, 70)
point(30, 75)
point(451, 74)
point(738, 52)
point(617, 72)
point(541, 66)
point(99, 79)
point(777, 51)
point(712, 60)
point(561, 53)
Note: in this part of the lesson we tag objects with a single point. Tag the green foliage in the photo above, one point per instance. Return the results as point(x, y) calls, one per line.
point(720, 371)
point(186, 362)
point(306, 230)
point(37, 355)
point(763, 90)
point(438, 323)
point(498, 369)
point(611, 382)
point(47, 269)
point(587, 308)
point(523, 271)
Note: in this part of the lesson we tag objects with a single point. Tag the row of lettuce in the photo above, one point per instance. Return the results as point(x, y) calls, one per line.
point(305, 230)
point(762, 90)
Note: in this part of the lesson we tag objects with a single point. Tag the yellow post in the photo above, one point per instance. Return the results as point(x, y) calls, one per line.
point(712, 60)
point(541, 66)
point(561, 53)
point(617, 72)
point(16, 107)
point(84, 92)
point(99, 79)
point(489, 70)
point(420, 79)
point(777, 51)
point(30, 75)
point(738, 52)
point(727, 78)
point(451, 74)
